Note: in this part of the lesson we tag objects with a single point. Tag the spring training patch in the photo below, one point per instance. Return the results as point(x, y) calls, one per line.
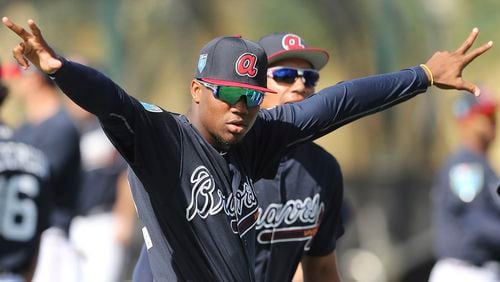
point(466, 181)
point(151, 108)
point(202, 62)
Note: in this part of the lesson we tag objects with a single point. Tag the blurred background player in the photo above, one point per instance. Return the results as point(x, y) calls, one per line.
point(49, 128)
point(5, 131)
point(299, 210)
point(24, 203)
point(103, 228)
point(467, 209)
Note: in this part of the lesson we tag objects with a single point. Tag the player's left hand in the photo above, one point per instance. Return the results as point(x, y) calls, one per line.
point(33, 48)
point(447, 67)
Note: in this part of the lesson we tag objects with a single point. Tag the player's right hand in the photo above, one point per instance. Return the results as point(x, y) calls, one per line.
point(33, 49)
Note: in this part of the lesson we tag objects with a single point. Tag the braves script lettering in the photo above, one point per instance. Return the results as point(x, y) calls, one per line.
point(296, 220)
point(306, 211)
point(208, 200)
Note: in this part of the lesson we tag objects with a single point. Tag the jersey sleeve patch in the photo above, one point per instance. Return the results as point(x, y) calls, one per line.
point(151, 108)
point(466, 181)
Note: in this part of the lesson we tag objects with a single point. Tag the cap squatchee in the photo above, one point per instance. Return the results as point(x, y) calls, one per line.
point(233, 61)
point(283, 45)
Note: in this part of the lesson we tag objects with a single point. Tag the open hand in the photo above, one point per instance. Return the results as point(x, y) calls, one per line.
point(447, 67)
point(33, 48)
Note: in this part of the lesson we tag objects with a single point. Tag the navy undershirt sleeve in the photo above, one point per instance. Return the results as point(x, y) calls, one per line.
point(125, 120)
point(347, 101)
point(79, 82)
point(281, 128)
point(118, 112)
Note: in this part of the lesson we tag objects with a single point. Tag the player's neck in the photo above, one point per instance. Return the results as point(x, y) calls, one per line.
point(476, 145)
point(195, 121)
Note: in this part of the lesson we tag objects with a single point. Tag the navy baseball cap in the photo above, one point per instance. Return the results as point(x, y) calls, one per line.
point(233, 61)
point(282, 45)
point(468, 105)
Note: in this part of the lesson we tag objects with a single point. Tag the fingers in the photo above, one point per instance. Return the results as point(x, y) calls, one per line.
point(469, 41)
point(18, 53)
point(34, 28)
point(478, 51)
point(472, 88)
point(21, 32)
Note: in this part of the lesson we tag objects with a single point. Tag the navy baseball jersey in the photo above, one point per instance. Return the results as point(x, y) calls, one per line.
point(24, 204)
point(203, 200)
point(467, 209)
point(299, 212)
point(57, 137)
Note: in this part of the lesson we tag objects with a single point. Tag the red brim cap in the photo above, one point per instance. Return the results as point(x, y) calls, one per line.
point(237, 84)
point(485, 108)
point(316, 56)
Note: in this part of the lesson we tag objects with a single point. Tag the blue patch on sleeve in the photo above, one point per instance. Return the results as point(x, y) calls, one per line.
point(151, 108)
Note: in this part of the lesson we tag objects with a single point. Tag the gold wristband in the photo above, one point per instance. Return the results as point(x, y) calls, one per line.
point(428, 72)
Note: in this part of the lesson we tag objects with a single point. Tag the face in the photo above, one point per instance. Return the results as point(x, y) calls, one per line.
point(287, 92)
point(484, 126)
point(24, 84)
point(221, 123)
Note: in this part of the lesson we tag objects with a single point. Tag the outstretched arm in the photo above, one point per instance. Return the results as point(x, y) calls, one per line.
point(348, 101)
point(121, 115)
point(87, 87)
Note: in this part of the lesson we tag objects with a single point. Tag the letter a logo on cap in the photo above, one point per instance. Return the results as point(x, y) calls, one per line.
point(291, 42)
point(246, 65)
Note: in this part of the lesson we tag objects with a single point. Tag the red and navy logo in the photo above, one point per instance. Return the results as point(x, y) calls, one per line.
point(246, 65)
point(291, 42)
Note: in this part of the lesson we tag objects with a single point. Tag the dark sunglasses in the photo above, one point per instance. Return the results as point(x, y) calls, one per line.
point(232, 94)
point(289, 75)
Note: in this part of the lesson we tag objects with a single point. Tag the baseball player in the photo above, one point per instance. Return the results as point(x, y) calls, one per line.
point(198, 170)
point(49, 128)
point(24, 205)
point(103, 227)
point(299, 209)
point(466, 206)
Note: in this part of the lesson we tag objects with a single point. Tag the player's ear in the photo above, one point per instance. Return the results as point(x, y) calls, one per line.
point(196, 90)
